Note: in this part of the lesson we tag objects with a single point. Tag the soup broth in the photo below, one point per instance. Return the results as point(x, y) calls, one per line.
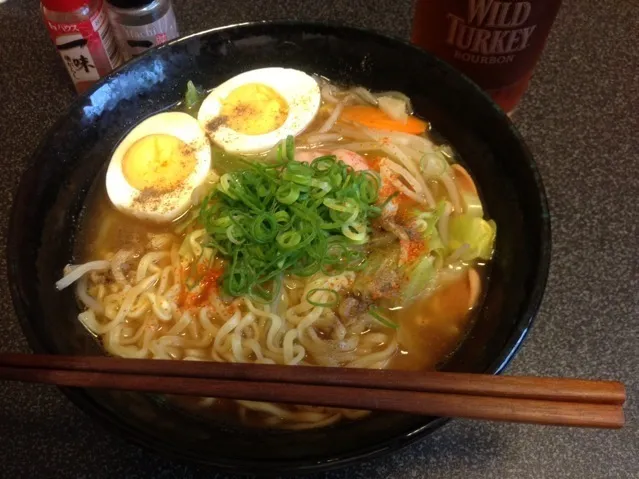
point(400, 271)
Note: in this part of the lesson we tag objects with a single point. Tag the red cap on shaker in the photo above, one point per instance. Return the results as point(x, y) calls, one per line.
point(64, 5)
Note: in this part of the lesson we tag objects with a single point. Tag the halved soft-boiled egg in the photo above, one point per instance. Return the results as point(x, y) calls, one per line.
point(254, 111)
point(156, 167)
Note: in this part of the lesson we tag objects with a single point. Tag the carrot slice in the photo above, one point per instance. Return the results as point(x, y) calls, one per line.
point(373, 117)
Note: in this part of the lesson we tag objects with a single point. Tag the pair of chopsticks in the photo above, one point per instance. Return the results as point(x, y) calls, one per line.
point(533, 400)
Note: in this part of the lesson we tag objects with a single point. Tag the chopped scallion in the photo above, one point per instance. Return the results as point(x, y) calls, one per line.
point(289, 217)
point(374, 312)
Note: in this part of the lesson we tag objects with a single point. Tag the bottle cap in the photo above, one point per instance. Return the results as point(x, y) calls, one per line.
point(129, 3)
point(64, 5)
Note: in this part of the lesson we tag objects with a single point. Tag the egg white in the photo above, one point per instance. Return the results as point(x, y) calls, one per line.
point(300, 91)
point(164, 208)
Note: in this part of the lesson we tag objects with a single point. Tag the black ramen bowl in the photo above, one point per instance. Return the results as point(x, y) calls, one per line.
point(50, 200)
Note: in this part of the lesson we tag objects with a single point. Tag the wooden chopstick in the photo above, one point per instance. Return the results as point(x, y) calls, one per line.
point(555, 389)
point(555, 401)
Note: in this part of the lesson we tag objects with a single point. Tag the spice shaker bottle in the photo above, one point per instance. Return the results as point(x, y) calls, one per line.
point(142, 24)
point(82, 35)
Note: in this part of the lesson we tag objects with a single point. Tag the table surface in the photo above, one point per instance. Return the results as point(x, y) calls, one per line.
point(580, 120)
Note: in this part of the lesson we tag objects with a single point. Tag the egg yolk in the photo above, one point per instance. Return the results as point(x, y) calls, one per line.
point(159, 162)
point(254, 109)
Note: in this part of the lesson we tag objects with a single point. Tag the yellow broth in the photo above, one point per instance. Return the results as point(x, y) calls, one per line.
point(429, 330)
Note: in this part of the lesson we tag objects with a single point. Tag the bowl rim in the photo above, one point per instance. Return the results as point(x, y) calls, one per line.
point(110, 421)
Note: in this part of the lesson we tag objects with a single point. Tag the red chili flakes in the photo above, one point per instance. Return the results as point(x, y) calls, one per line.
point(206, 286)
point(413, 249)
point(374, 162)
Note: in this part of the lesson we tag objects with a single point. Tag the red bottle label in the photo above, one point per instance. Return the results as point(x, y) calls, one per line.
point(88, 48)
point(496, 43)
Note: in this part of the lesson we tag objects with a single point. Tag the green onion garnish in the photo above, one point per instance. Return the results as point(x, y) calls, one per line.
point(374, 312)
point(289, 217)
point(333, 295)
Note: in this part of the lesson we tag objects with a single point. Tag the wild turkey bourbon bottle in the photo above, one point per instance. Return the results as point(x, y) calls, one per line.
point(495, 43)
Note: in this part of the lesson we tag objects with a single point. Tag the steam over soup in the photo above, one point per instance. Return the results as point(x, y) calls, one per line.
point(285, 221)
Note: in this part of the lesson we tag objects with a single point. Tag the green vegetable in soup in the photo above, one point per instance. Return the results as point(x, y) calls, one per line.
point(477, 233)
point(472, 204)
point(376, 314)
point(420, 276)
point(425, 222)
point(193, 97)
point(379, 277)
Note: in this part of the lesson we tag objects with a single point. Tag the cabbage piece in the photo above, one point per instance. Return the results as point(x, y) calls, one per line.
point(472, 204)
point(435, 243)
point(193, 96)
point(420, 276)
point(422, 272)
point(426, 223)
point(380, 273)
point(475, 232)
point(431, 229)
point(393, 107)
point(399, 96)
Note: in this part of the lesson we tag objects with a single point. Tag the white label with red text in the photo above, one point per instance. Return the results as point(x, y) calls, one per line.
point(88, 48)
